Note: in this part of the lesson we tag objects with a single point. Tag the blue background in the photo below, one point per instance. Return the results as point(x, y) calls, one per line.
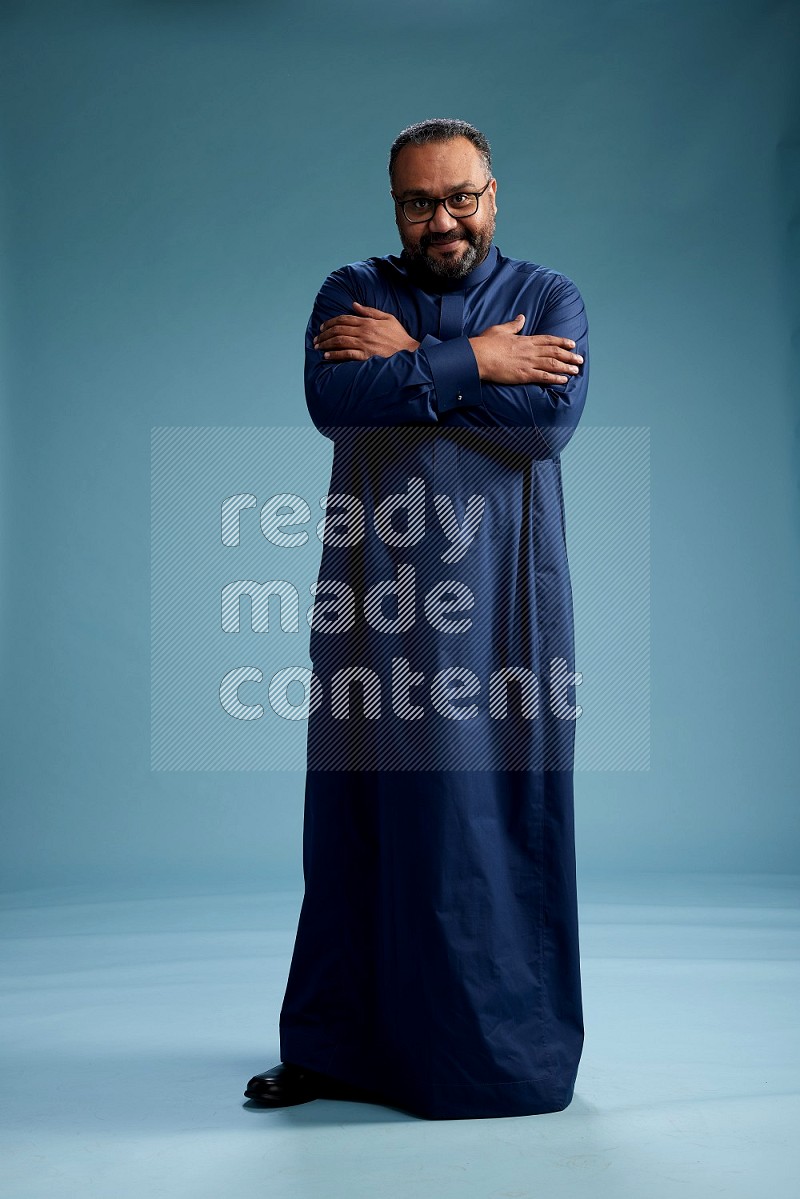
point(178, 179)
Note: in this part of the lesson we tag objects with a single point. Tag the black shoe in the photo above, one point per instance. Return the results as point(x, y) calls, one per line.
point(284, 1085)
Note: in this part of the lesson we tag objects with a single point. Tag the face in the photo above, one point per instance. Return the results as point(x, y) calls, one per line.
point(445, 246)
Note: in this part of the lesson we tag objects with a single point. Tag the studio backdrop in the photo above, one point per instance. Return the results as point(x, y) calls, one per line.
point(177, 181)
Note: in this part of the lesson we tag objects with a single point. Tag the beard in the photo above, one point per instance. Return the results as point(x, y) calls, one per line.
point(457, 267)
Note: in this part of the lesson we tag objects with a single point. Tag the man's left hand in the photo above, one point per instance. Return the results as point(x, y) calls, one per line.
point(370, 332)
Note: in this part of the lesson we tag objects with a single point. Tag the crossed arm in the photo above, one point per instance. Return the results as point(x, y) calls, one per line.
point(364, 368)
point(503, 354)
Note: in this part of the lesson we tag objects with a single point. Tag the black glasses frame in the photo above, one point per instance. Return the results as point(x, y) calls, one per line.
point(436, 202)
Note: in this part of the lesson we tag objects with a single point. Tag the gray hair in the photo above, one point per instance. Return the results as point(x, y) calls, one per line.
point(440, 129)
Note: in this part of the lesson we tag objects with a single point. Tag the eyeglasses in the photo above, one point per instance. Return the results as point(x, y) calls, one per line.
point(423, 208)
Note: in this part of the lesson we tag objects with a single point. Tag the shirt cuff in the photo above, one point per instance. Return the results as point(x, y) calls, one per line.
point(456, 380)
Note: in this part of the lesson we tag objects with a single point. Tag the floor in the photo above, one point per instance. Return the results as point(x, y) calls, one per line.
point(131, 1023)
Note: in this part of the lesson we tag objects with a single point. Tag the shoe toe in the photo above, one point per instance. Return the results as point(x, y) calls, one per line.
point(282, 1085)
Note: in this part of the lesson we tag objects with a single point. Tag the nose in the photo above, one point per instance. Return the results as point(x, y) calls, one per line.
point(442, 221)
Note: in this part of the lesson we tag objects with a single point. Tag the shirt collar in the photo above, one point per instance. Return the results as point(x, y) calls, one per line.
point(436, 284)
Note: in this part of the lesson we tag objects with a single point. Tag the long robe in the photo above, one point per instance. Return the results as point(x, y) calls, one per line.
point(436, 961)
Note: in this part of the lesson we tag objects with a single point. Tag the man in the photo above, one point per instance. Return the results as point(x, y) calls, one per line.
point(436, 962)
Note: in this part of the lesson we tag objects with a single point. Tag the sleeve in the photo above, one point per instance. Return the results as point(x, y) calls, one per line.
point(551, 411)
point(439, 382)
point(398, 390)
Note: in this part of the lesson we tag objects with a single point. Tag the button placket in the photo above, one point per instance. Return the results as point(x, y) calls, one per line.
point(445, 450)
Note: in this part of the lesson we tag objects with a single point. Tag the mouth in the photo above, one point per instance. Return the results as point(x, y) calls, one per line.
point(446, 245)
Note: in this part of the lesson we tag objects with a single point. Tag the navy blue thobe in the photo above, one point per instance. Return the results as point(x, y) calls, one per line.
point(436, 962)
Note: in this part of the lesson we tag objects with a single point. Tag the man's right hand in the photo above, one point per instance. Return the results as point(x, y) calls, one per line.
point(504, 355)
